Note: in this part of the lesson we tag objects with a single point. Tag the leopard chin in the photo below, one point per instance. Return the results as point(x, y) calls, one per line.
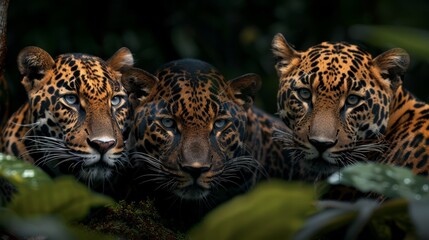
point(95, 174)
point(193, 192)
point(319, 166)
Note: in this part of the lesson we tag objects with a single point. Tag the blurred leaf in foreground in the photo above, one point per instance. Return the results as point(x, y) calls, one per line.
point(64, 197)
point(19, 172)
point(390, 181)
point(43, 227)
point(273, 210)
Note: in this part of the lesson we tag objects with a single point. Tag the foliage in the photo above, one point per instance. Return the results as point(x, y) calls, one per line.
point(403, 212)
point(63, 208)
point(273, 210)
point(40, 206)
point(21, 173)
point(387, 180)
point(280, 210)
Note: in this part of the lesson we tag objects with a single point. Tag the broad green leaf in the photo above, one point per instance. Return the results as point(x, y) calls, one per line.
point(21, 173)
point(273, 210)
point(64, 197)
point(390, 181)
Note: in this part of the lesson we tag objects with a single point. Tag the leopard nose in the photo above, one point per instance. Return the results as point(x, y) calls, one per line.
point(322, 144)
point(195, 170)
point(102, 146)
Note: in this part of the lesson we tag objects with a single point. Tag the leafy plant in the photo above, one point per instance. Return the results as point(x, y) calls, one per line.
point(387, 180)
point(40, 206)
point(273, 210)
point(281, 210)
point(62, 208)
point(404, 212)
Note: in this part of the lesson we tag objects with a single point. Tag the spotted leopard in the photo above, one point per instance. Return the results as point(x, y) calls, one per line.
point(76, 116)
point(197, 138)
point(345, 106)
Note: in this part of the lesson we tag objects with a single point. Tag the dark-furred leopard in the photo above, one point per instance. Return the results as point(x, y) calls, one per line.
point(196, 136)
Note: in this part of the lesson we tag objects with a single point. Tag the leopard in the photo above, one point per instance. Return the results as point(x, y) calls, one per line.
point(345, 106)
point(75, 120)
point(198, 138)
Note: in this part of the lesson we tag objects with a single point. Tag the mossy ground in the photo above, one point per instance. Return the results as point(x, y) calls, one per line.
point(132, 220)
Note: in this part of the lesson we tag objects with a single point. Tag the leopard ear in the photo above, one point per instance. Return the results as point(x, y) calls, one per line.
point(393, 65)
point(121, 59)
point(33, 63)
point(245, 88)
point(138, 83)
point(283, 53)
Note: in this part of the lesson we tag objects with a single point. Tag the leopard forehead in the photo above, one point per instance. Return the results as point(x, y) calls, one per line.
point(88, 75)
point(334, 67)
point(194, 91)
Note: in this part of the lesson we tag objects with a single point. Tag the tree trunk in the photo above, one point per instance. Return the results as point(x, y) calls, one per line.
point(4, 94)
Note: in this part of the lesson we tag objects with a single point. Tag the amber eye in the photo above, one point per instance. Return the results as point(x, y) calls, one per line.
point(70, 99)
point(116, 100)
point(167, 122)
point(304, 93)
point(353, 100)
point(220, 123)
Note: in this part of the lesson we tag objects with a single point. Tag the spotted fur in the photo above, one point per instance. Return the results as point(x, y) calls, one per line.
point(197, 135)
point(345, 106)
point(76, 116)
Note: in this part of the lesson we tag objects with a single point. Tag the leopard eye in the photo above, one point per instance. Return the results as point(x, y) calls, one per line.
point(220, 123)
point(167, 122)
point(304, 93)
point(116, 100)
point(353, 100)
point(70, 99)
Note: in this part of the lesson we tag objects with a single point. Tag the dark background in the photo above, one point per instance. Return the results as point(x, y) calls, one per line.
point(234, 36)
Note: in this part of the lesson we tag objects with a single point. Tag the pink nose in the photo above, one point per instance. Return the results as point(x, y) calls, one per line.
point(101, 146)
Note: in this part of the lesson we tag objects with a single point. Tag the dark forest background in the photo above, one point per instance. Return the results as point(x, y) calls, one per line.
point(234, 36)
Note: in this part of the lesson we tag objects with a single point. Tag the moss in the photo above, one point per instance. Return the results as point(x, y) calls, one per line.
point(134, 220)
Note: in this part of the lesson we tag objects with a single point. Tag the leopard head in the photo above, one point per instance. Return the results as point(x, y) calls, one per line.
point(190, 127)
point(335, 97)
point(78, 110)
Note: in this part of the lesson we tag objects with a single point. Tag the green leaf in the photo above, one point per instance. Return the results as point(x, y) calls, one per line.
point(64, 197)
point(273, 210)
point(21, 173)
point(390, 181)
